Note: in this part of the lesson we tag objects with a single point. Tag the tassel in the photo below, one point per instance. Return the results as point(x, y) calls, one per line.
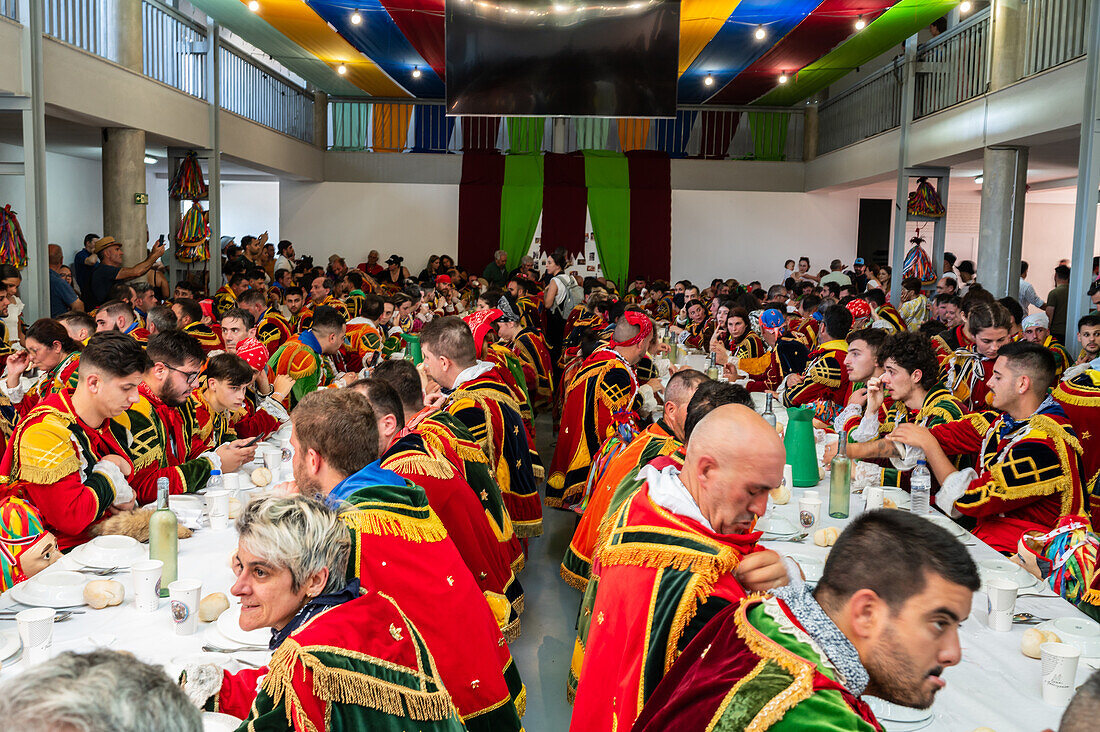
point(13, 246)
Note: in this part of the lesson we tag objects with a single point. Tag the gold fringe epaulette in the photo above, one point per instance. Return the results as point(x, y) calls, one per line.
point(417, 463)
point(46, 453)
point(1047, 425)
point(341, 686)
point(379, 522)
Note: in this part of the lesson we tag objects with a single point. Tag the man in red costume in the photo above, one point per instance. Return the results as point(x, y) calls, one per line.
point(400, 547)
point(63, 457)
point(599, 397)
point(970, 368)
point(677, 551)
point(825, 378)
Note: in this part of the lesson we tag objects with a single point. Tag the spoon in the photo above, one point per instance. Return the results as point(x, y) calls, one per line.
point(1028, 619)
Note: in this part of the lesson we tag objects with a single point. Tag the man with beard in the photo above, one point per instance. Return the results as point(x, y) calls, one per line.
point(158, 432)
point(118, 315)
point(1036, 329)
point(883, 620)
point(294, 299)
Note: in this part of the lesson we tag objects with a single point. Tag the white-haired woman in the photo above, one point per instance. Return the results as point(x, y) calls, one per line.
point(346, 657)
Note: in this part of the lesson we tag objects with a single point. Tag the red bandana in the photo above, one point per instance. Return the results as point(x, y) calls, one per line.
point(645, 329)
point(481, 322)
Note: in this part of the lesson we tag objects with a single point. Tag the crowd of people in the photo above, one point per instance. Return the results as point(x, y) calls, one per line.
point(410, 403)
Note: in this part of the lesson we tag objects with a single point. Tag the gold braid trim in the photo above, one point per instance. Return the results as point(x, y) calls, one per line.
point(802, 670)
point(728, 698)
point(420, 464)
point(1056, 431)
point(387, 523)
point(539, 471)
point(707, 567)
point(573, 579)
point(340, 686)
point(1076, 398)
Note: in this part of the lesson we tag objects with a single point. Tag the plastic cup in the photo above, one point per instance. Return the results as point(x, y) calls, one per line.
point(231, 482)
point(1002, 603)
point(809, 511)
point(1059, 662)
point(146, 574)
point(788, 476)
point(184, 597)
point(873, 497)
point(36, 632)
point(217, 507)
point(273, 459)
point(811, 494)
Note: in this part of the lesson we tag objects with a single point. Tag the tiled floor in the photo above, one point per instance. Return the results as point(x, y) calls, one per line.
point(543, 650)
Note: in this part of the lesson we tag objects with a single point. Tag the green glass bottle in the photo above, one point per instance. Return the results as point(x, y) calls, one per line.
point(164, 537)
point(840, 480)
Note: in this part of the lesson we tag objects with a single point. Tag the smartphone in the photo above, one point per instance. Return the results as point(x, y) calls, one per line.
point(253, 441)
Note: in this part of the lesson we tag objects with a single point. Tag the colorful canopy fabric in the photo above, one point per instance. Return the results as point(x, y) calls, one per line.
point(397, 49)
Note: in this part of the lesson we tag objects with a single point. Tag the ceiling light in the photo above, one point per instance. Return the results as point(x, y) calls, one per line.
point(254, 5)
point(783, 77)
point(356, 18)
point(861, 23)
point(978, 179)
point(709, 81)
point(760, 33)
point(964, 7)
point(341, 69)
point(150, 160)
point(416, 72)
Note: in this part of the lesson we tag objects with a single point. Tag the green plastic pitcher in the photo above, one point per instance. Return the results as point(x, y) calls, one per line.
point(412, 350)
point(801, 452)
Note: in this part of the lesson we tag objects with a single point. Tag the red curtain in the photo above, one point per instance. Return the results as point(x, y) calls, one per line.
point(564, 203)
point(650, 214)
point(479, 209)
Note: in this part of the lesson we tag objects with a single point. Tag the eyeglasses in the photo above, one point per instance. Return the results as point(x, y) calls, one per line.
point(192, 376)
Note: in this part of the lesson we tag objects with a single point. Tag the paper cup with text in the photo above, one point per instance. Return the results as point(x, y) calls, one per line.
point(217, 508)
point(1002, 602)
point(1059, 672)
point(146, 575)
point(809, 511)
point(36, 631)
point(184, 597)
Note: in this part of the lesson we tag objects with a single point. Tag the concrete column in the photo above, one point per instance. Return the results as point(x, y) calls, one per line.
point(1001, 226)
point(1007, 47)
point(320, 120)
point(127, 37)
point(123, 176)
point(809, 133)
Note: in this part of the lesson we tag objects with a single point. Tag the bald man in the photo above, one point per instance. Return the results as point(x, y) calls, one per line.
point(676, 552)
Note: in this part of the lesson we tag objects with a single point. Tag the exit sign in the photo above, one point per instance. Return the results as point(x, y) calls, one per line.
point(141, 199)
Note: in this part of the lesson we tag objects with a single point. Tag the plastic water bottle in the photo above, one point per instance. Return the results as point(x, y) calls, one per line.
point(920, 488)
point(214, 483)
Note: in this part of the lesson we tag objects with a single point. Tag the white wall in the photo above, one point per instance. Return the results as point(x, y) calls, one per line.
point(250, 207)
point(74, 197)
point(412, 220)
point(749, 235)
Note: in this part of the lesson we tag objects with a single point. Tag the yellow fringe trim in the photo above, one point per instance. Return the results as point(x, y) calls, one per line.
point(49, 475)
point(573, 579)
point(519, 604)
point(334, 685)
point(803, 671)
point(420, 464)
point(510, 631)
point(539, 471)
point(519, 563)
point(527, 529)
point(386, 523)
point(521, 701)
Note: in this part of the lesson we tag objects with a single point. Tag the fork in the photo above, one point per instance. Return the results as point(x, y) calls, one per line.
point(796, 537)
point(100, 572)
point(61, 616)
point(217, 649)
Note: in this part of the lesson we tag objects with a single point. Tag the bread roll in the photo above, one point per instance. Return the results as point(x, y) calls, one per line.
point(213, 605)
point(103, 593)
point(234, 507)
point(826, 537)
point(781, 495)
point(1033, 638)
point(261, 477)
point(889, 503)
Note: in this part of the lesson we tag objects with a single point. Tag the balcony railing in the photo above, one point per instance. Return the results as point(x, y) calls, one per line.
point(870, 107)
point(952, 67)
point(1055, 33)
point(174, 53)
point(707, 132)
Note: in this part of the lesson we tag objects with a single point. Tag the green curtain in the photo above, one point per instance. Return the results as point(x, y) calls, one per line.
point(520, 204)
point(350, 122)
point(608, 179)
point(592, 132)
point(525, 134)
point(769, 134)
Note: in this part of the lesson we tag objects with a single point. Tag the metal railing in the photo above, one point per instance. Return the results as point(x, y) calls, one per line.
point(953, 67)
point(1055, 33)
point(261, 95)
point(81, 23)
point(9, 9)
point(865, 110)
point(174, 49)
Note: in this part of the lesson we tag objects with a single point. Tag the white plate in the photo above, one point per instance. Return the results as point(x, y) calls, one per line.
point(9, 644)
point(229, 625)
point(901, 498)
point(941, 520)
point(105, 552)
point(887, 711)
point(812, 567)
point(218, 722)
point(187, 502)
point(1081, 633)
point(1006, 570)
point(776, 526)
point(51, 589)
